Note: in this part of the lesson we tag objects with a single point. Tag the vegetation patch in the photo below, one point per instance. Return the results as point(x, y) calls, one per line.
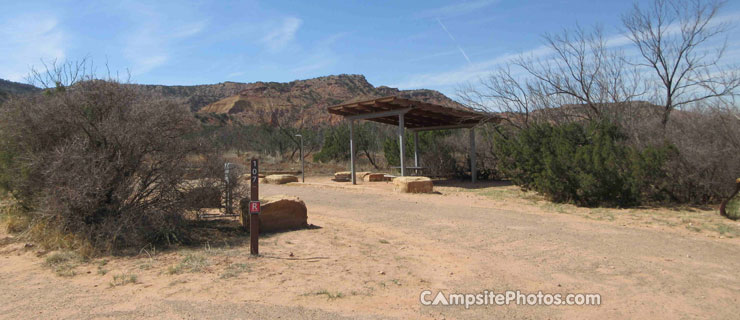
point(733, 208)
point(329, 295)
point(63, 263)
point(124, 279)
point(234, 270)
point(192, 262)
point(585, 164)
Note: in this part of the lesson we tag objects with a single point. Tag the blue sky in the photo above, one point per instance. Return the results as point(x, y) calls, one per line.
point(407, 44)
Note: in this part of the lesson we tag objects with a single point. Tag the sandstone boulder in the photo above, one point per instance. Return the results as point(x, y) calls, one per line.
point(413, 184)
point(361, 175)
point(279, 213)
point(342, 176)
point(373, 177)
point(280, 179)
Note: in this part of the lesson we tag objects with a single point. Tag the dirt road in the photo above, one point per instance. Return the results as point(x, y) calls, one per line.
point(374, 251)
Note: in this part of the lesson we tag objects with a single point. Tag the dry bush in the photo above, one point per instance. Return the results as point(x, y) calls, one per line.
point(99, 161)
point(208, 185)
point(707, 138)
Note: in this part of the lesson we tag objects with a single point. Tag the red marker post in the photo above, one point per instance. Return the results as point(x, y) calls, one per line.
point(254, 210)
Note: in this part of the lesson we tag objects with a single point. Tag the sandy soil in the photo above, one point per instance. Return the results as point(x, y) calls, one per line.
point(373, 251)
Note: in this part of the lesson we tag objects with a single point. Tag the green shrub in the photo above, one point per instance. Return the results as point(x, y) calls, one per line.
point(436, 155)
point(336, 143)
point(586, 164)
point(732, 208)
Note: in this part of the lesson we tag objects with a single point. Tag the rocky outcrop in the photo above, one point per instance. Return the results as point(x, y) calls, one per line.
point(305, 100)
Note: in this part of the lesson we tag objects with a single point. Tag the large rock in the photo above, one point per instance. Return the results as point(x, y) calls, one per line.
point(342, 176)
point(361, 175)
point(280, 179)
point(413, 184)
point(279, 213)
point(373, 177)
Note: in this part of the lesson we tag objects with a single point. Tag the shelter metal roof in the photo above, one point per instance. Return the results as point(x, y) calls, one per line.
point(418, 115)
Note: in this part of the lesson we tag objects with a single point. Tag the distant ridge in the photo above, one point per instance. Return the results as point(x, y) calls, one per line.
point(313, 96)
point(8, 88)
point(245, 103)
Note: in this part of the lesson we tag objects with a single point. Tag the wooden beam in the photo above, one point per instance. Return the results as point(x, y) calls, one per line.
point(367, 116)
point(444, 127)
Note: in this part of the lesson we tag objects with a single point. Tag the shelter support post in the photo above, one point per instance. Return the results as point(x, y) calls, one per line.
point(473, 170)
point(352, 150)
point(401, 143)
point(416, 149)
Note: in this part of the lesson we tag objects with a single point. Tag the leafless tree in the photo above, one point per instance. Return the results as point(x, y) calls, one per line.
point(584, 70)
point(580, 77)
point(675, 41)
point(502, 91)
point(289, 122)
point(55, 74)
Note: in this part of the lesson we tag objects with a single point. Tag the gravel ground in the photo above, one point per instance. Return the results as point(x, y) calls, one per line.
point(373, 251)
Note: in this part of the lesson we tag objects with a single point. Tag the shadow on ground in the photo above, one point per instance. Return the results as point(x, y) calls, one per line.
point(469, 185)
point(224, 232)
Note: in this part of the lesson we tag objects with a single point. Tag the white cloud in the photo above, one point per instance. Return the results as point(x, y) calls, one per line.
point(26, 41)
point(466, 73)
point(455, 9)
point(235, 74)
point(444, 27)
point(314, 63)
point(150, 45)
point(475, 71)
point(434, 55)
point(155, 31)
point(282, 35)
point(320, 58)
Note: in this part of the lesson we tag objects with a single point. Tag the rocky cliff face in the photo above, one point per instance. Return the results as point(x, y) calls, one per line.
point(262, 102)
point(269, 102)
point(196, 96)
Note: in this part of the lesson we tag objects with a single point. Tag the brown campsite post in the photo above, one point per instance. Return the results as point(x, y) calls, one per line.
point(254, 209)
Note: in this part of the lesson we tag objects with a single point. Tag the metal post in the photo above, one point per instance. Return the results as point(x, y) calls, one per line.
point(303, 162)
point(416, 151)
point(401, 145)
point(227, 166)
point(473, 170)
point(352, 150)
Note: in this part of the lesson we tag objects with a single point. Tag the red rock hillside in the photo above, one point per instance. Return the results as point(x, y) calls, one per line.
point(305, 100)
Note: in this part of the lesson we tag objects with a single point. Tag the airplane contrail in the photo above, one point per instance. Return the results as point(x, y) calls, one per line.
point(454, 40)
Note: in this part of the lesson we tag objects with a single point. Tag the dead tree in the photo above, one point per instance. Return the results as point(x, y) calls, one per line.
point(674, 38)
point(578, 70)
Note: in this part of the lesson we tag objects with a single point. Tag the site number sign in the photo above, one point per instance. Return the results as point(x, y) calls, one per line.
point(254, 194)
point(254, 209)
